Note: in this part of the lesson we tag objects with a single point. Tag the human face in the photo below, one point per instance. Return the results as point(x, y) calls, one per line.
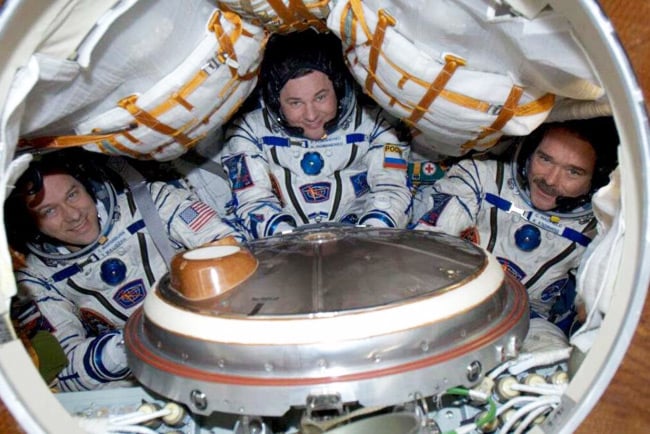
point(64, 210)
point(309, 102)
point(562, 165)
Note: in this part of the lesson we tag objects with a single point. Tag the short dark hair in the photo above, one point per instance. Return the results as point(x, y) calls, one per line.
point(20, 226)
point(599, 132)
point(296, 54)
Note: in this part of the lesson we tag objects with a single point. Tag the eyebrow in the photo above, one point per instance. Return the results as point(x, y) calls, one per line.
point(320, 92)
point(48, 205)
point(580, 169)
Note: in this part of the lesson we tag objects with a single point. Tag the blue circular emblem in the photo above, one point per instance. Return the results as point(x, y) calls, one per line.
point(113, 271)
point(528, 238)
point(312, 163)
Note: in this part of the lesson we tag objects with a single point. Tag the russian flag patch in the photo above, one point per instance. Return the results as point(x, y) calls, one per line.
point(393, 157)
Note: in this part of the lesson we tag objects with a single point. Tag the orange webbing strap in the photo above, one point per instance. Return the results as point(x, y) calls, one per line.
point(540, 105)
point(303, 17)
point(385, 20)
point(145, 118)
point(64, 141)
point(358, 17)
point(451, 64)
point(281, 10)
point(506, 113)
point(226, 40)
point(111, 145)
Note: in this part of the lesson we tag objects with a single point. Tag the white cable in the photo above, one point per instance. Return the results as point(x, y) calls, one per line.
point(137, 417)
point(514, 401)
point(538, 402)
point(541, 389)
point(531, 417)
point(501, 368)
point(530, 360)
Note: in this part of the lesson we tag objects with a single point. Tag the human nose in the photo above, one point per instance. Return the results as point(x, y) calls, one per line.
point(310, 112)
point(71, 213)
point(553, 175)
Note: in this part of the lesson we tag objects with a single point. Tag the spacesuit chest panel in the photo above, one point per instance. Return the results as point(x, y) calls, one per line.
point(537, 257)
point(316, 176)
point(312, 159)
point(111, 281)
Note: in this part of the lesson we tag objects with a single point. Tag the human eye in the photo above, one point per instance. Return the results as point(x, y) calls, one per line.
point(73, 194)
point(47, 212)
point(575, 172)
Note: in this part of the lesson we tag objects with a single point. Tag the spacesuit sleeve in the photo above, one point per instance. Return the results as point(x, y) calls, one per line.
point(189, 221)
point(258, 208)
point(93, 361)
point(388, 202)
point(453, 203)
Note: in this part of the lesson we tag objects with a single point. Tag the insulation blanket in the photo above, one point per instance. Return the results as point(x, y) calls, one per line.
point(458, 72)
point(162, 76)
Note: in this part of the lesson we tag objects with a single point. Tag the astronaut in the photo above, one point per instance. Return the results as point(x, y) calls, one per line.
point(310, 153)
point(90, 258)
point(532, 212)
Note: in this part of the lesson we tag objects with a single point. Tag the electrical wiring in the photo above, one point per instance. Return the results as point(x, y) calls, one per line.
point(544, 401)
point(126, 423)
point(530, 418)
point(488, 418)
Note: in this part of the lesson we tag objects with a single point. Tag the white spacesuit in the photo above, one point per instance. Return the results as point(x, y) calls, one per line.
point(85, 297)
point(486, 202)
point(354, 173)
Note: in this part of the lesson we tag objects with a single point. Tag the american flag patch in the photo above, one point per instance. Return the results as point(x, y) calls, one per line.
point(197, 215)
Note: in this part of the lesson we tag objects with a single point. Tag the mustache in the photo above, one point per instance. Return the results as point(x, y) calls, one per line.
point(545, 187)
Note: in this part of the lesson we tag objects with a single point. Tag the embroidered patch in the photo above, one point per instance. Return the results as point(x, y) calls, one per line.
point(94, 323)
point(471, 234)
point(425, 172)
point(360, 183)
point(238, 172)
point(554, 290)
point(512, 268)
point(440, 201)
point(316, 192)
point(393, 157)
point(131, 294)
point(197, 215)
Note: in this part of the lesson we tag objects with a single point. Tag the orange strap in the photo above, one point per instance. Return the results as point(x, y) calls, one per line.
point(304, 18)
point(385, 20)
point(145, 118)
point(358, 17)
point(451, 64)
point(505, 114)
point(226, 40)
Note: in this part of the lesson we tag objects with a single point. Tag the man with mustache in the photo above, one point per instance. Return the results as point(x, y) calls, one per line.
point(90, 259)
point(530, 207)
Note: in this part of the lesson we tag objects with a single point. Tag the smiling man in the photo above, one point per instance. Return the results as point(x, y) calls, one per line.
point(64, 210)
point(311, 153)
point(90, 258)
point(532, 212)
